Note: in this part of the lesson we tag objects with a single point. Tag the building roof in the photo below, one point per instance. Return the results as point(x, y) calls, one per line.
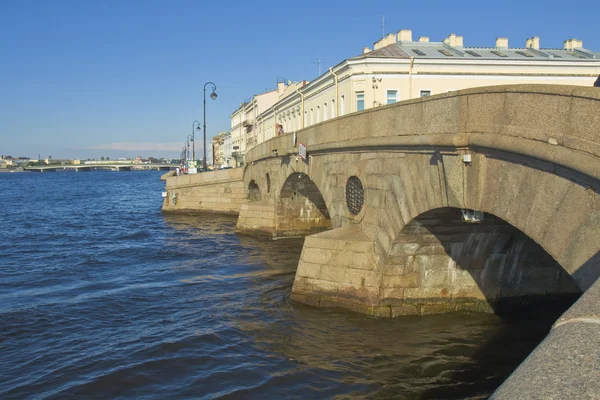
point(440, 50)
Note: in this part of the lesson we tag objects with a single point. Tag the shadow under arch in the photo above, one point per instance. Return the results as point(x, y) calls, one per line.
point(301, 207)
point(440, 259)
point(254, 191)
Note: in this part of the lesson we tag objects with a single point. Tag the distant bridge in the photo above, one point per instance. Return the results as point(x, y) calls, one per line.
point(89, 167)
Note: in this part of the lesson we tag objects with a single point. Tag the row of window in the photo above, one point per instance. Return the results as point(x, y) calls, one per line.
point(391, 97)
point(323, 114)
point(328, 109)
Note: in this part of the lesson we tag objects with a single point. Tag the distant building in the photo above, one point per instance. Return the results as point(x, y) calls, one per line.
point(227, 148)
point(218, 149)
point(245, 120)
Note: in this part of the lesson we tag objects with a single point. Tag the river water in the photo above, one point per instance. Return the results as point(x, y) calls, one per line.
point(103, 296)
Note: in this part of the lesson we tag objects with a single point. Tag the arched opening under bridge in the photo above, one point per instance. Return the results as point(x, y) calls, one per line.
point(254, 191)
point(447, 259)
point(301, 207)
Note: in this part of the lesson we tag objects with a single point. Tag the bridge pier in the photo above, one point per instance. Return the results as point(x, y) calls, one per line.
point(340, 268)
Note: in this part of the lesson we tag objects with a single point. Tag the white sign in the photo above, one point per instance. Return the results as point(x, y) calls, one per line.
point(302, 150)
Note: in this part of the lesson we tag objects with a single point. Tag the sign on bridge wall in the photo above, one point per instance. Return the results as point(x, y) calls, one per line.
point(302, 150)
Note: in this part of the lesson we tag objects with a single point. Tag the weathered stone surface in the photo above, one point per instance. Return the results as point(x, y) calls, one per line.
point(216, 192)
point(566, 365)
point(587, 308)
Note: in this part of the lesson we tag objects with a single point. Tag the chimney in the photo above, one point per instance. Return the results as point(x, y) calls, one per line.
point(378, 44)
point(405, 35)
point(366, 50)
point(424, 39)
point(280, 87)
point(502, 43)
point(390, 39)
point(454, 41)
point(572, 44)
point(533, 43)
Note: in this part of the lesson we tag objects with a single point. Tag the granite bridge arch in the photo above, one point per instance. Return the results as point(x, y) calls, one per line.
point(527, 155)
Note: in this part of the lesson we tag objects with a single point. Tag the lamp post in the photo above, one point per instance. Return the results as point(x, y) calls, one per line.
point(194, 128)
point(188, 146)
point(213, 96)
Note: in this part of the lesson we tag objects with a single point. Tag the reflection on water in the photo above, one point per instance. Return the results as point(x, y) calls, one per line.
point(117, 300)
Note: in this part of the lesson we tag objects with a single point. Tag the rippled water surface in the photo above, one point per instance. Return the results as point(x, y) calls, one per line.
point(102, 296)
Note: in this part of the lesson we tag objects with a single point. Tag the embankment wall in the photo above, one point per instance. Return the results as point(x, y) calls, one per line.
point(214, 191)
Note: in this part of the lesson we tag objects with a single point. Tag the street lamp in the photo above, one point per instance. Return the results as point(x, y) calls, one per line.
point(193, 137)
point(188, 145)
point(213, 96)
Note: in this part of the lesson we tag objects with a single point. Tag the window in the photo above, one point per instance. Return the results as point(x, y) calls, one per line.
point(333, 110)
point(524, 54)
point(305, 118)
point(498, 53)
point(425, 93)
point(311, 116)
point(325, 112)
point(471, 52)
point(318, 113)
point(342, 104)
point(392, 96)
point(418, 52)
point(360, 101)
point(446, 53)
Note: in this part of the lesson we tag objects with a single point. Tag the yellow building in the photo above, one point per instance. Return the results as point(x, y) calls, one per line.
point(398, 68)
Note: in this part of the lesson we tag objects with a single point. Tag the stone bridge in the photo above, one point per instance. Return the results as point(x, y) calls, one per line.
point(389, 186)
point(466, 200)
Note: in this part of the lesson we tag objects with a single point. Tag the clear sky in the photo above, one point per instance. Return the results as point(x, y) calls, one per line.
point(119, 78)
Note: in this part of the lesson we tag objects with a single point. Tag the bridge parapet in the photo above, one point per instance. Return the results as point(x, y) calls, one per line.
point(550, 118)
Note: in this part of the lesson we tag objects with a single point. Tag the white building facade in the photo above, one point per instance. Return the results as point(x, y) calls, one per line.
point(400, 69)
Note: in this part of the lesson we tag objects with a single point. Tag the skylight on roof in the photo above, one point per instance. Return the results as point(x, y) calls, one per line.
point(446, 53)
point(471, 52)
point(419, 52)
point(499, 53)
point(578, 55)
point(524, 53)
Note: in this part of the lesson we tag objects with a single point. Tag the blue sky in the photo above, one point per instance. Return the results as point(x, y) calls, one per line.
point(86, 78)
